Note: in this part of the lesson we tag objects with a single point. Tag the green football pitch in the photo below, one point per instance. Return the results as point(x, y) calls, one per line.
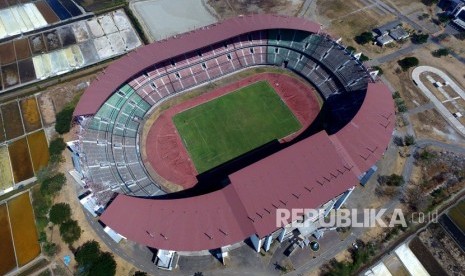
point(224, 128)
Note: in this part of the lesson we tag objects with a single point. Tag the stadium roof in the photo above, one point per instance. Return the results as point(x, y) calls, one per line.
point(304, 175)
point(140, 59)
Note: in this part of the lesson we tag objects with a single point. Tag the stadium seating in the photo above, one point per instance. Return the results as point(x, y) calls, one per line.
point(110, 138)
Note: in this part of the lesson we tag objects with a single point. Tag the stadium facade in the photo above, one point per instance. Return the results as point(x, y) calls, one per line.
point(317, 170)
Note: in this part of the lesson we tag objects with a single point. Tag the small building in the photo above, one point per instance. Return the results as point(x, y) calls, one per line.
point(459, 17)
point(386, 28)
point(166, 259)
point(383, 40)
point(399, 33)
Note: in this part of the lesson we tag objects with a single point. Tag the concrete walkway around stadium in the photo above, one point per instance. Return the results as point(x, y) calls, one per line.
point(438, 104)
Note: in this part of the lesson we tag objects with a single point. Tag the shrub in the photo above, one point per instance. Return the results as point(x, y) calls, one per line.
point(429, 2)
point(420, 38)
point(364, 38)
point(443, 18)
point(394, 180)
point(380, 71)
point(70, 231)
point(364, 58)
point(408, 62)
point(440, 52)
point(351, 49)
point(50, 248)
point(60, 213)
point(409, 140)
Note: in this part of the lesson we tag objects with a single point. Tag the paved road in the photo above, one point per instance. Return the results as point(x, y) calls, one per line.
point(438, 104)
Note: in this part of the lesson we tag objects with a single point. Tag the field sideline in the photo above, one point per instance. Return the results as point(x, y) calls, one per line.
point(224, 128)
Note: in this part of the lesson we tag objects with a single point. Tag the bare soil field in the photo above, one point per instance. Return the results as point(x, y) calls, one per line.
point(430, 124)
point(232, 8)
point(39, 150)
point(6, 178)
point(31, 115)
point(26, 69)
point(444, 249)
point(12, 124)
point(10, 75)
point(37, 44)
point(23, 227)
point(56, 97)
point(22, 48)
point(47, 12)
point(2, 131)
point(163, 18)
point(20, 160)
point(7, 53)
point(7, 253)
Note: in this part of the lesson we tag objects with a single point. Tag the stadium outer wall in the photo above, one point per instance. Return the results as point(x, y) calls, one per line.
point(240, 211)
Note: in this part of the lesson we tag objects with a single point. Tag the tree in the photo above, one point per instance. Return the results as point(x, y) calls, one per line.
point(57, 146)
point(440, 52)
point(60, 213)
point(364, 38)
point(408, 62)
point(63, 119)
point(87, 253)
point(70, 231)
point(420, 38)
point(142, 273)
point(52, 185)
point(104, 265)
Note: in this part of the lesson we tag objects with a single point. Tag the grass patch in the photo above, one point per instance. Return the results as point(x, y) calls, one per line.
point(224, 128)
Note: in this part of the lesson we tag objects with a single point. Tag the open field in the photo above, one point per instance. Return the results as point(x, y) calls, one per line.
point(6, 179)
point(39, 150)
point(20, 160)
point(231, 8)
point(163, 18)
point(13, 124)
point(224, 128)
point(31, 115)
point(7, 253)
point(23, 229)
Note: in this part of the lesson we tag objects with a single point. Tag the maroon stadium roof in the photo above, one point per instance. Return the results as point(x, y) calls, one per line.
point(138, 60)
point(304, 175)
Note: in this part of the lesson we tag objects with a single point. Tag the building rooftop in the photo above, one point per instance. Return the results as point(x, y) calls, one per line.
point(304, 175)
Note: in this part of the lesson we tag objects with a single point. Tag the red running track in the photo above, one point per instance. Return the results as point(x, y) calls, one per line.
point(169, 158)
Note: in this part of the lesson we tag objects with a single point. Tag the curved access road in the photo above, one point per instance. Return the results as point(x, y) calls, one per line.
point(438, 104)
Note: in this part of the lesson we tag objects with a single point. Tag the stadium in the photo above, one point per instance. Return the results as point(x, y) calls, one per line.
point(298, 153)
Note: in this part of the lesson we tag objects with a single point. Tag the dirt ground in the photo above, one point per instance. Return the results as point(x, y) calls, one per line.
point(346, 19)
point(232, 8)
point(427, 124)
point(68, 195)
point(54, 98)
